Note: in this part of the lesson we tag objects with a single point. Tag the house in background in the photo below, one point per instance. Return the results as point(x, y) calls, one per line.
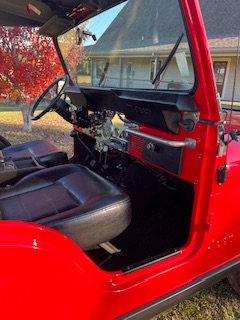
point(132, 59)
point(221, 18)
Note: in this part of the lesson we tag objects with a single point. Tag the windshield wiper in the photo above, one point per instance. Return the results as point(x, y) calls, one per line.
point(169, 58)
point(104, 73)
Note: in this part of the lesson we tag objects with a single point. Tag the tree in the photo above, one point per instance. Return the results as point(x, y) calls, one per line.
point(28, 64)
point(73, 53)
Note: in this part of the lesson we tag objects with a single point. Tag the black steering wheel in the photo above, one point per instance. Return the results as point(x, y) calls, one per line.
point(54, 96)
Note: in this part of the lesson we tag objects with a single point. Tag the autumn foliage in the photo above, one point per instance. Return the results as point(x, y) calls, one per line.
point(73, 54)
point(28, 64)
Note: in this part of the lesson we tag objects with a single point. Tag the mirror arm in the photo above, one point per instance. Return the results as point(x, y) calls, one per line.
point(80, 34)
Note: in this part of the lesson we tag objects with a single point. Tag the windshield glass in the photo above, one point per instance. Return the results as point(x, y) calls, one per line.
point(138, 44)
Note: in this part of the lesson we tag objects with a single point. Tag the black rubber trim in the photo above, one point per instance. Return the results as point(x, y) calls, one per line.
point(168, 301)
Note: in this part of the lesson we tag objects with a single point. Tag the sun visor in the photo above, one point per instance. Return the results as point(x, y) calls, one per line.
point(56, 26)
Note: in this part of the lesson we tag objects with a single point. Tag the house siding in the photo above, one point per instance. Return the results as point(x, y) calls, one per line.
point(229, 78)
point(222, 35)
point(228, 95)
point(139, 76)
point(135, 72)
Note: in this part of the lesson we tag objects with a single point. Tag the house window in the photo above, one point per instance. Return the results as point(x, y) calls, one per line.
point(129, 71)
point(220, 68)
point(155, 65)
point(100, 64)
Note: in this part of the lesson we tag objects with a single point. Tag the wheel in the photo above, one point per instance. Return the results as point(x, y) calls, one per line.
point(234, 281)
point(54, 96)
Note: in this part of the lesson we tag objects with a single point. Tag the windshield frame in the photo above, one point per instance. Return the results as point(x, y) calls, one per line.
point(191, 53)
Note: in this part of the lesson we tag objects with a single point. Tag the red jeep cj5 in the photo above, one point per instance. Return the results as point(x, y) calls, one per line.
point(146, 212)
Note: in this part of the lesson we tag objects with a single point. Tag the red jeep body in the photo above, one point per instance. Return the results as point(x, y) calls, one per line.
point(45, 275)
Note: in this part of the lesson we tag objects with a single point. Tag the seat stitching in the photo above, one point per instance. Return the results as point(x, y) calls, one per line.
point(49, 200)
point(25, 209)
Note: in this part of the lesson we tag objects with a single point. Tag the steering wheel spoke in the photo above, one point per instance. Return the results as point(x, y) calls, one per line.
point(55, 96)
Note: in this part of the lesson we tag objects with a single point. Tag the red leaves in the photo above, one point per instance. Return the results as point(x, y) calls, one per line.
point(28, 63)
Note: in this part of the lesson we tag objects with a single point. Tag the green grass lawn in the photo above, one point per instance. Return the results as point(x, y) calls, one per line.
point(84, 79)
point(217, 302)
point(50, 127)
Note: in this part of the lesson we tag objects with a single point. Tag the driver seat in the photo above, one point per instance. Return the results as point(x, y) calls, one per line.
point(45, 152)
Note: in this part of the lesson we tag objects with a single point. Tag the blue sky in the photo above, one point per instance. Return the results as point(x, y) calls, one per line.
point(100, 23)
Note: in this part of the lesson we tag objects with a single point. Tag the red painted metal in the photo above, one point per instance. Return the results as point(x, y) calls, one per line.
point(44, 275)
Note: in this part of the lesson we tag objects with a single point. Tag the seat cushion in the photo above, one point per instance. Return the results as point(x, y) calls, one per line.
point(71, 199)
point(45, 152)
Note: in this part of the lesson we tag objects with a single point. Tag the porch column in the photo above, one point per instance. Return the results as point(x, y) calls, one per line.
point(92, 68)
point(120, 71)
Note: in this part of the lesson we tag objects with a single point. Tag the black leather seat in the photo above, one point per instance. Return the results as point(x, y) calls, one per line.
point(45, 152)
point(71, 199)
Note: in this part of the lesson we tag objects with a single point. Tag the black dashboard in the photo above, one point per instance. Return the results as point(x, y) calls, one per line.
point(162, 110)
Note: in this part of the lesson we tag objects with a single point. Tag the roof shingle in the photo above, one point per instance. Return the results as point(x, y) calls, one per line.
point(153, 17)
